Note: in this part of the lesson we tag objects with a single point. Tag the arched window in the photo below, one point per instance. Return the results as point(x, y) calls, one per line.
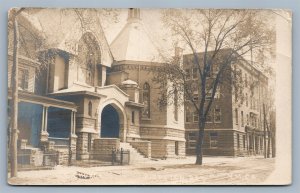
point(146, 100)
point(175, 104)
point(90, 110)
point(88, 58)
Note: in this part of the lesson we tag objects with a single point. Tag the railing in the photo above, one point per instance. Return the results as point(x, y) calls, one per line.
point(60, 142)
point(112, 157)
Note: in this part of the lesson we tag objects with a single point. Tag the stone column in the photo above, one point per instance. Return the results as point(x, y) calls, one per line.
point(73, 137)
point(44, 133)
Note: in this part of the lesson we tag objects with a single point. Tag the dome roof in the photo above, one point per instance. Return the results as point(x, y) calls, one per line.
point(129, 82)
point(134, 42)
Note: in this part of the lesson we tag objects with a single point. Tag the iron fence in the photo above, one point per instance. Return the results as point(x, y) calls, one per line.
point(30, 161)
point(110, 157)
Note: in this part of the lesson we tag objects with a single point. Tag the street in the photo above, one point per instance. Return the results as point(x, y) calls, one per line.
point(214, 171)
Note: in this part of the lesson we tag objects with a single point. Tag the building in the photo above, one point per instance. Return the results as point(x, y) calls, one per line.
point(78, 95)
point(234, 125)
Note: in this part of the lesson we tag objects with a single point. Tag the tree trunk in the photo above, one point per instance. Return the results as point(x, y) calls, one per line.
point(269, 142)
point(200, 139)
point(14, 109)
point(265, 133)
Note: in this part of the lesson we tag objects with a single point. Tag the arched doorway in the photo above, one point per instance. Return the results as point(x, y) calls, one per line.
point(110, 122)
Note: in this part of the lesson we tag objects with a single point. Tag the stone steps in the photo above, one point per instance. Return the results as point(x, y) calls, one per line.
point(135, 156)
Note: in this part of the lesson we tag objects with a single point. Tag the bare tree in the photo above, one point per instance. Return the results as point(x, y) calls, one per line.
point(223, 37)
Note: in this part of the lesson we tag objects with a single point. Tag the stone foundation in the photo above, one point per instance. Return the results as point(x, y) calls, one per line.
point(82, 146)
point(103, 147)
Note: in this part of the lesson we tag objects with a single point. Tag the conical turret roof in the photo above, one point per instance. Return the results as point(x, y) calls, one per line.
point(134, 43)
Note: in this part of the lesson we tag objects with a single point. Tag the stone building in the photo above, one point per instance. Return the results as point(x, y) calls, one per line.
point(234, 125)
point(78, 95)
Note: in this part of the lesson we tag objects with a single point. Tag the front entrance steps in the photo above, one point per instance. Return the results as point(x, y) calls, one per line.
point(135, 156)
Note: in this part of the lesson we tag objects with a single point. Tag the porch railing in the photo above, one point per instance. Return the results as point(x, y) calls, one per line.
point(60, 142)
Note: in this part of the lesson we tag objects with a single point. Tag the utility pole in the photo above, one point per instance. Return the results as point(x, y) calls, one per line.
point(15, 100)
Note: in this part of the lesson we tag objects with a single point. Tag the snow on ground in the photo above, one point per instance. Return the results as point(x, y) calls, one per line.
point(214, 171)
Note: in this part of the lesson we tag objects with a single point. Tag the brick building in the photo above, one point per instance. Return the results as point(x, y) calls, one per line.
point(234, 125)
point(80, 95)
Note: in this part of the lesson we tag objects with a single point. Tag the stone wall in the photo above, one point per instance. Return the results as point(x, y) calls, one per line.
point(82, 145)
point(158, 149)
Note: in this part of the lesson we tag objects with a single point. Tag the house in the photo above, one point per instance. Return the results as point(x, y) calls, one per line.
point(80, 96)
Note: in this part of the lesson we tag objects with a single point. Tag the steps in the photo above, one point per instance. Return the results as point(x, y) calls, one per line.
point(135, 156)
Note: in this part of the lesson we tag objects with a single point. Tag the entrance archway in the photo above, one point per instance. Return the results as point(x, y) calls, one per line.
point(110, 122)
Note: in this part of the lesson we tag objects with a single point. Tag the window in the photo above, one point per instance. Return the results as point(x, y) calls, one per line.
point(146, 100)
point(247, 99)
point(23, 79)
point(238, 140)
point(246, 80)
point(187, 74)
point(192, 136)
point(191, 145)
point(209, 118)
point(213, 140)
point(195, 116)
point(188, 116)
point(218, 93)
point(132, 117)
point(236, 117)
point(247, 119)
point(195, 70)
point(217, 114)
point(208, 95)
point(242, 118)
point(176, 104)
point(88, 57)
point(90, 110)
point(191, 142)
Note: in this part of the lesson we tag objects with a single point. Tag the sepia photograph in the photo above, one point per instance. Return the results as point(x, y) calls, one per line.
point(149, 96)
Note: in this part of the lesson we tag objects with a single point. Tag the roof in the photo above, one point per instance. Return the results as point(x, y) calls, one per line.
point(135, 43)
point(62, 29)
point(43, 100)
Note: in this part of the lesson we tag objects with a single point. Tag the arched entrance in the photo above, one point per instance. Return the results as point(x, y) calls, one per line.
point(110, 122)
